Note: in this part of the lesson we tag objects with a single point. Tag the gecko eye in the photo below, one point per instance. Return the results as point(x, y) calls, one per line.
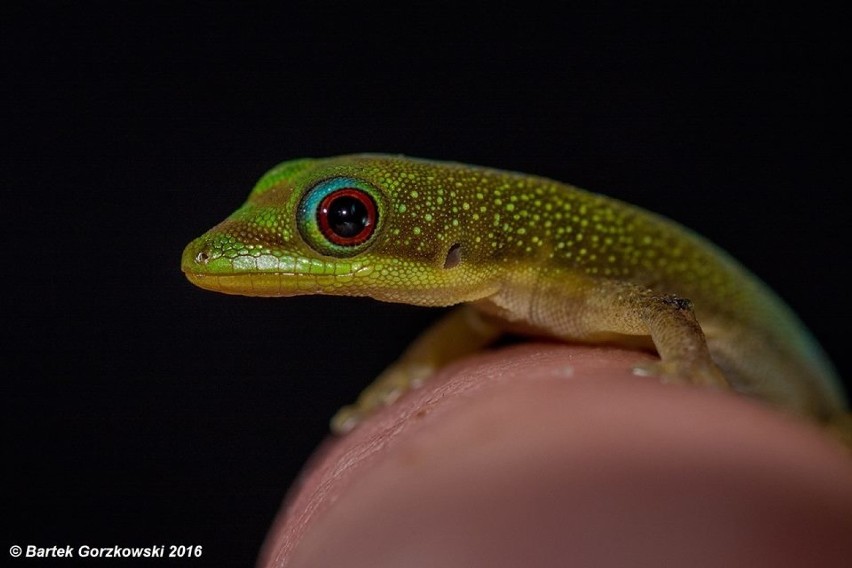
point(339, 216)
point(347, 216)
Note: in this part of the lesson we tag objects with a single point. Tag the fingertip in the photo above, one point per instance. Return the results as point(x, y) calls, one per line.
point(537, 452)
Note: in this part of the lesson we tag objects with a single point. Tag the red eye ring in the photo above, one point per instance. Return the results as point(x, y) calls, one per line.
point(347, 217)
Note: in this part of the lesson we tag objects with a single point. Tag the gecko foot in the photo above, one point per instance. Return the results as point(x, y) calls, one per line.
point(384, 391)
point(675, 372)
point(345, 420)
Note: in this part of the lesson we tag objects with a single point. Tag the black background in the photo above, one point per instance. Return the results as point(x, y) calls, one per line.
point(140, 410)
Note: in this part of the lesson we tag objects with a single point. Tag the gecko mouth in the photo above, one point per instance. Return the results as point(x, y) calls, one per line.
point(259, 273)
point(259, 283)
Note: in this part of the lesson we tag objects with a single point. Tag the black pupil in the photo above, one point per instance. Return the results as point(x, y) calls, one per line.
point(347, 216)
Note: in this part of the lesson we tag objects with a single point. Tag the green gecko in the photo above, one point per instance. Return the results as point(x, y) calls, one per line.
point(522, 254)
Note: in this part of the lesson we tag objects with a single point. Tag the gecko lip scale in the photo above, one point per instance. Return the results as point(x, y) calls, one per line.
point(260, 284)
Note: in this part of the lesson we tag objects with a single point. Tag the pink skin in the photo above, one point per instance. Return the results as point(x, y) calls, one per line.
point(554, 455)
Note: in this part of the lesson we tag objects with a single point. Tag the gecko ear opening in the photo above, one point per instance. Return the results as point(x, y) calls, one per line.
point(454, 256)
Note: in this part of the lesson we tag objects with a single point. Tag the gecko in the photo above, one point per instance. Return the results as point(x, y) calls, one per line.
point(517, 254)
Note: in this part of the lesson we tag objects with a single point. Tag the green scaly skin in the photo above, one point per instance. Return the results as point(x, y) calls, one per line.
point(527, 254)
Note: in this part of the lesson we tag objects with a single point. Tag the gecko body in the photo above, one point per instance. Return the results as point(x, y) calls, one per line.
point(522, 254)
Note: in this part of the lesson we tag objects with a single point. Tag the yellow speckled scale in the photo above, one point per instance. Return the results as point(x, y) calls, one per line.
point(525, 254)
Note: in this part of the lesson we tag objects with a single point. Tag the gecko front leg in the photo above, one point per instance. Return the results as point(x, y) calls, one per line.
point(620, 312)
point(461, 332)
point(680, 342)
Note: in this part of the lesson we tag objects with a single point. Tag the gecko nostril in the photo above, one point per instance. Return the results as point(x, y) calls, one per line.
point(202, 257)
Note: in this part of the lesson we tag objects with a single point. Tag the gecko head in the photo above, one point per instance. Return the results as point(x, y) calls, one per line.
point(389, 227)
